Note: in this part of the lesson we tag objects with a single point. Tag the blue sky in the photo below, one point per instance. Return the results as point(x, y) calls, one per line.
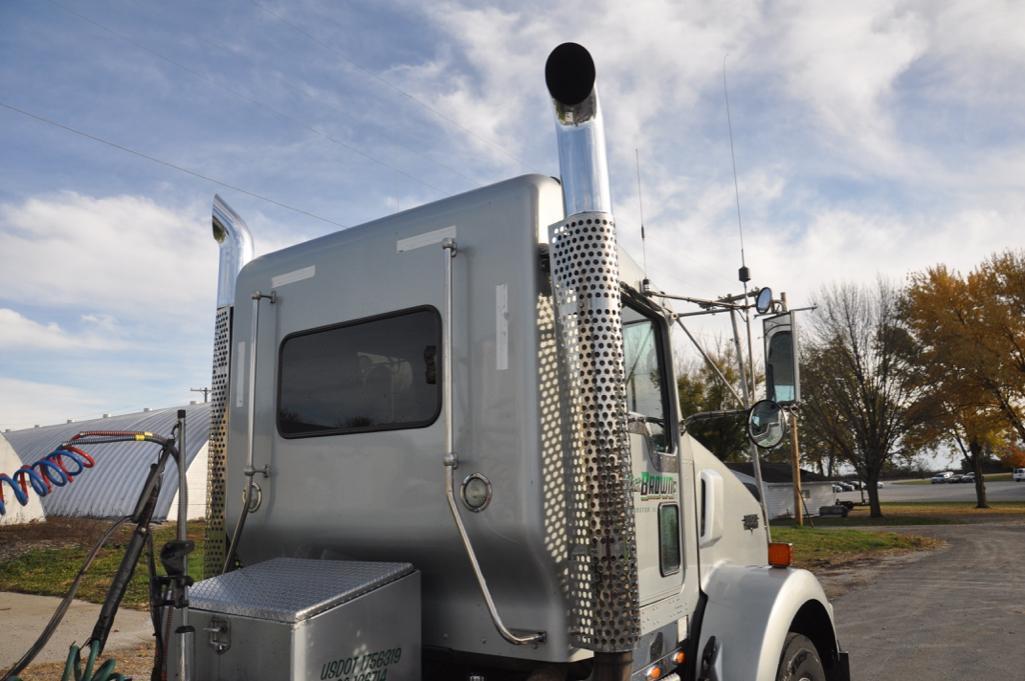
point(872, 138)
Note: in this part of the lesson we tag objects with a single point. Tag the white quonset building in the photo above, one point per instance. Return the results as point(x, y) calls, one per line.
point(779, 488)
point(111, 488)
point(15, 513)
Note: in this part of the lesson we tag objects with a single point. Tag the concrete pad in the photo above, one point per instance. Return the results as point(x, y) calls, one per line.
point(22, 618)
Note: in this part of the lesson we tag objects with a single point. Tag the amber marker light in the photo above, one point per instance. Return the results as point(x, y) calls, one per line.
point(679, 656)
point(653, 673)
point(780, 554)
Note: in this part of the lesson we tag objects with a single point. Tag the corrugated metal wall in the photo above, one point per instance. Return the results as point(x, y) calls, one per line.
point(15, 513)
point(779, 498)
point(111, 488)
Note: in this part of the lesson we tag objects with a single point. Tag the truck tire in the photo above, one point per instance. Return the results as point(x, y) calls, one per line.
point(799, 661)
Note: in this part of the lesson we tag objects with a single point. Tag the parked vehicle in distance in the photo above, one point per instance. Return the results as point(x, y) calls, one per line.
point(1018, 475)
point(967, 477)
point(837, 487)
point(956, 477)
point(880, 483)
point(945, 476)
point(848, 486)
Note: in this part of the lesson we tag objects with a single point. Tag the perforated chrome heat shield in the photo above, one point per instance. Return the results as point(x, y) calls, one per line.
point(603, 556)
point(213, 557)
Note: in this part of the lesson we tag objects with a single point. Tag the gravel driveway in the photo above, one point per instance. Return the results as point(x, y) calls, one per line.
point(956, 614)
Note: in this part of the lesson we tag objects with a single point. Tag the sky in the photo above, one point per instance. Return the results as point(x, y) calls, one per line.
point(871, 139)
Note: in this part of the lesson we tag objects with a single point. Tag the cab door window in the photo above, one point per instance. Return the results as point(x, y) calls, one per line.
point(645, 371)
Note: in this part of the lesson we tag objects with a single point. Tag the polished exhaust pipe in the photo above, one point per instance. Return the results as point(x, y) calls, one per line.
point(580, 132)
point(236, 249)
point(603, 593)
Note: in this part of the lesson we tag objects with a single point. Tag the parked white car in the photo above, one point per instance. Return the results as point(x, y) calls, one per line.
point(945, 476)
point(1018, 475)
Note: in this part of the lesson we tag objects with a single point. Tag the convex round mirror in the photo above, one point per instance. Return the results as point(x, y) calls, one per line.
point(763, 302)
point(766, 424)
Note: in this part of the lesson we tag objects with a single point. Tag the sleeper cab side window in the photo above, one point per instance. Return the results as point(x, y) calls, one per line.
point(379, 373)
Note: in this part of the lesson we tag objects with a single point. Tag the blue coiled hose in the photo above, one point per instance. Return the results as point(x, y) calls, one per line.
point(43, 475)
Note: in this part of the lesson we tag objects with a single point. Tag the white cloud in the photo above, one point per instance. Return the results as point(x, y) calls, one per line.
point(24, 404)
point(834, 74)
point(123, 255)
point(844, 59)
point(20, 332)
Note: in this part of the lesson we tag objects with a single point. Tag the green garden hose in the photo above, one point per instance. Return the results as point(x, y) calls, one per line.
point(73, 667)
point(73, 671)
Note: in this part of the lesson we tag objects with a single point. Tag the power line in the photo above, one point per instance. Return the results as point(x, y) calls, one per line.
point(210, 79)
point(154, 159)
point(370, 74)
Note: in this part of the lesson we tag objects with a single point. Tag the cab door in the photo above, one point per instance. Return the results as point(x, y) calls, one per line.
point(654, 448)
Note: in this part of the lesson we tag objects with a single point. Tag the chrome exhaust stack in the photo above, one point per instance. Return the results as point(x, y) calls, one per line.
point(236, 249)
point(580, 132)
point(603, 591)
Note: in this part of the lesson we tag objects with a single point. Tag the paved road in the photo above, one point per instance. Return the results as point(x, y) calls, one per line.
point(23, 617)
point(956, 614)
point(995, 491)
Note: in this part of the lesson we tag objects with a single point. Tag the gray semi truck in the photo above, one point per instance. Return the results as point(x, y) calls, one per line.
point(447, 444)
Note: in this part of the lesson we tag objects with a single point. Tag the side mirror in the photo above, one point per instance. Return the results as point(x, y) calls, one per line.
point(766, 424)
point(763, 302)
point(782, 372)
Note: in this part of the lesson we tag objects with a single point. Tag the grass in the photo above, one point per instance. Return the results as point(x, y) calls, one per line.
point(962, 509)
point(815, 548)
point(55, 549)
point(921, 513)
point(49, 568)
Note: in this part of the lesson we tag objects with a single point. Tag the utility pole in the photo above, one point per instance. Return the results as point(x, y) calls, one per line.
point(205, 391)
point(795, 449)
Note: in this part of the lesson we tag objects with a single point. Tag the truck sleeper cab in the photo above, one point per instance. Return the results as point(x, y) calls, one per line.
point(478, 394)
point(347, 400)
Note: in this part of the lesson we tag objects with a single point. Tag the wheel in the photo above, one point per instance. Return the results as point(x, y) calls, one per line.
point(799, 661)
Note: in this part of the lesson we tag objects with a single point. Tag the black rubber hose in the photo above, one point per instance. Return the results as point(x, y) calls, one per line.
point(62, 608)
point(156, 602)
point(142, 517)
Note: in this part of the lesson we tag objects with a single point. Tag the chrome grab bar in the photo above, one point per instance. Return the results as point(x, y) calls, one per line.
point(451, 461)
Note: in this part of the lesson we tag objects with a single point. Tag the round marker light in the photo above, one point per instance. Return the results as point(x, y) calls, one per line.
point(653, 673)
point(476, 492)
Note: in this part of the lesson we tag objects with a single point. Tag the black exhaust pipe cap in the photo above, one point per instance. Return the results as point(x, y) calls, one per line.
point(569, 74)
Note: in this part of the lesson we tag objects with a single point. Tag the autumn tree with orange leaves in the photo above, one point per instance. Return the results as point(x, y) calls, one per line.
point(970, 337)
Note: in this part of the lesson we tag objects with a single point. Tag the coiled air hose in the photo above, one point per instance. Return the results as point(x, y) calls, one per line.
point(45, 474)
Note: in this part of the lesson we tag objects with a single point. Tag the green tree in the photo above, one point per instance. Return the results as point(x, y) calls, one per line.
point(700, 390)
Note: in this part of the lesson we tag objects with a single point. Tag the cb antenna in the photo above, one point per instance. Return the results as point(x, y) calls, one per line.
point(640, 202)
point(744, 274)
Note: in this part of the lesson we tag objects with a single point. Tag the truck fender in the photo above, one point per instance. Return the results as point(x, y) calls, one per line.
point(749, 611)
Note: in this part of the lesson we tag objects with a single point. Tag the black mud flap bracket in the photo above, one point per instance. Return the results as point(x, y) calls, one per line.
point(840, 670)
